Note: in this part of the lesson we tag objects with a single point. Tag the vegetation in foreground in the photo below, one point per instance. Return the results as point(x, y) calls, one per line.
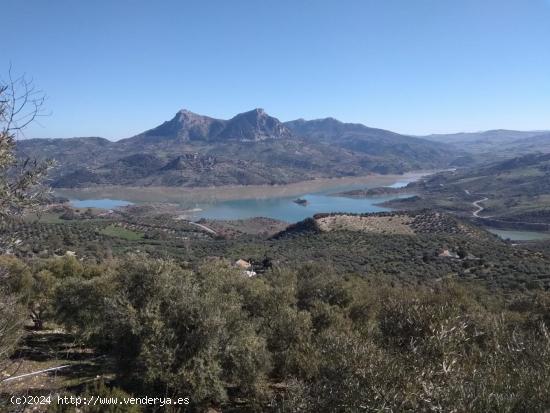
point(294, 340)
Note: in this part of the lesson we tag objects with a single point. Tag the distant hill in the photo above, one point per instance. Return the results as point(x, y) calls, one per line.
point(499, 143)
point(496, 135)
point(514, 190)
point(250, 148)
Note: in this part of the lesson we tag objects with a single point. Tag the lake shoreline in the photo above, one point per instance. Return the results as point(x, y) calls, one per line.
point(195, 195)
point(519, 235)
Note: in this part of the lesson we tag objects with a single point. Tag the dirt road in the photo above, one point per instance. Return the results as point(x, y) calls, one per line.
point(479, 207)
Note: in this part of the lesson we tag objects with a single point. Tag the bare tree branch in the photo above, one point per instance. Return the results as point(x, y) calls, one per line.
point(21, 190)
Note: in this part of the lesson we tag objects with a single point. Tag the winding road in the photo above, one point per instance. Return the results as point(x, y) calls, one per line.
point(479, 207)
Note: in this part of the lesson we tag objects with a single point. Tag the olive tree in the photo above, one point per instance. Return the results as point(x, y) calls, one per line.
point(21, 189)
point(20, 179)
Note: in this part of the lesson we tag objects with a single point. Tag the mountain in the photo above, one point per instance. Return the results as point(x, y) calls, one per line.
point(184, 126)
point(253, 126)
point(331, 129)
point(375, 142)
point(187, 126)
point(250, 148)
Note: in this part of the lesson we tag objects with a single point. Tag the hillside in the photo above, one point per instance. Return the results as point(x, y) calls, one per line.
point(250, 148)
point(411, 247)
point(516, 190)
point(387, 223)
point(400, 149)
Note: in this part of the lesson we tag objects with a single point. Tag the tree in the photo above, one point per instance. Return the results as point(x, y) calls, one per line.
point(12, 317)
point(20, 188)
point(171, 331)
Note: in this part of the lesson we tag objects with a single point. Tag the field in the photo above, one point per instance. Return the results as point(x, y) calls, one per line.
point(120, 232)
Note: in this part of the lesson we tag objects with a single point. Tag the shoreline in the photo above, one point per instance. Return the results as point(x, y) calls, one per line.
point(230, 192)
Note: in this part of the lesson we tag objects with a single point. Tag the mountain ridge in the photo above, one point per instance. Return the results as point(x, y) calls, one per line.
point(250, 148)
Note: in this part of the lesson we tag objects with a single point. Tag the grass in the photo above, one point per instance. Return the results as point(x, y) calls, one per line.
point(119, 232)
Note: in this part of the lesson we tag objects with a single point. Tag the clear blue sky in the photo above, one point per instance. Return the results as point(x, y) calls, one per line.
point(115, 68)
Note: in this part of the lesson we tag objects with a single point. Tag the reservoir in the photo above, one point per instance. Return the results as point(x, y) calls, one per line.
point(285, 209)
point(104, 203)
point(280, 207)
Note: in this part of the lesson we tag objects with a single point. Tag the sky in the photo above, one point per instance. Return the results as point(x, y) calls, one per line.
point(117, 68)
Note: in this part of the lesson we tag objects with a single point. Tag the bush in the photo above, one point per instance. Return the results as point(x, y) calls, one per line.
point(329, 342)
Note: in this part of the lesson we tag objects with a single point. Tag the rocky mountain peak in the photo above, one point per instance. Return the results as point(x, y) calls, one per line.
point(185, 116)
point(255, 125)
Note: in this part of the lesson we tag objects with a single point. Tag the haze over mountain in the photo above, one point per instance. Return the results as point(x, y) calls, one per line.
point(497, 143)
point(250, 148)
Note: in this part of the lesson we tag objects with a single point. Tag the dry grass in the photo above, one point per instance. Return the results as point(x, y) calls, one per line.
point(398, 224)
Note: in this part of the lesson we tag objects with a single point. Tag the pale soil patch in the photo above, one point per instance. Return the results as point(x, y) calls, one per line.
point(398, 224)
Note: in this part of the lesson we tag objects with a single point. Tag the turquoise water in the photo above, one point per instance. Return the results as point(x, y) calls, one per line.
point(281, 208)
point(285, 209)
point(99, 203)
point(515, 235)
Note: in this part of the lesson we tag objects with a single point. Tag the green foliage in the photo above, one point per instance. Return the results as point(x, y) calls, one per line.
point(170, 329)
point(334, 343)
point(20, 181)
point(430, 350)
point(119, 232)
point(12, 308)
point(335, 321)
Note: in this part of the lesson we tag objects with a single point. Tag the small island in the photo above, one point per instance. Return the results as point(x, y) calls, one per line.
point(301, 201)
